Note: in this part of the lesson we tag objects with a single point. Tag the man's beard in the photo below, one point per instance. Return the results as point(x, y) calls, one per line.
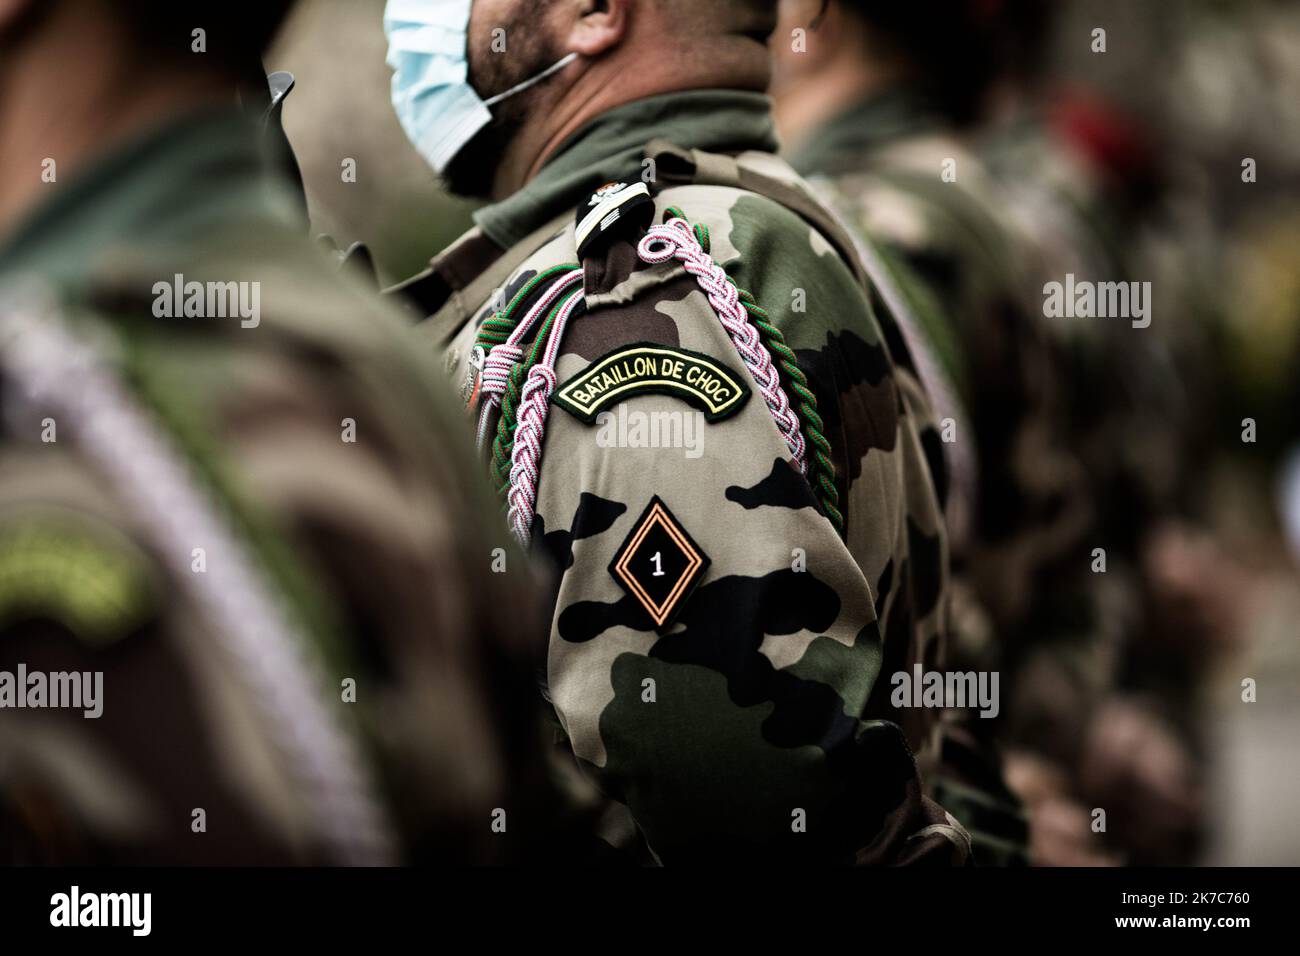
point(472, 172)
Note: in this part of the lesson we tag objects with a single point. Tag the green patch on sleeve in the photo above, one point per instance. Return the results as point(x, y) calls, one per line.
point(99, 589)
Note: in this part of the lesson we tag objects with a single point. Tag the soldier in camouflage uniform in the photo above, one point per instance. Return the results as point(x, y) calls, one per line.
point(1097, 197)
point(256, 527)
point(871, 98)
point(726, 621)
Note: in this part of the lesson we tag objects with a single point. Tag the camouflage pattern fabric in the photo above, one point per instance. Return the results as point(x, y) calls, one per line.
point(963, 269)
point(301, 479)
point(1074, 662)
point(1122, 652)
point(755, 722)
point(912, 190)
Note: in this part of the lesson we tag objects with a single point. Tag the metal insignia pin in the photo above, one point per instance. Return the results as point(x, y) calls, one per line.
point(473, 374)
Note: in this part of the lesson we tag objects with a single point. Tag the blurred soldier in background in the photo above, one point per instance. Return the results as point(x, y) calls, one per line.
point(1116, 701)
point(232, 513)
point(727, 623)
point(871, 99)
point(1104, 656)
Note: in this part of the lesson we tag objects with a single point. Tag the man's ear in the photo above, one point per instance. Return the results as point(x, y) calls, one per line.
point(600, 26)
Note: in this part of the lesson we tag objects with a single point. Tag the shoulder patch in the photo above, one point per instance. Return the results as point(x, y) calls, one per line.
point(659, 564)
point(648, 368)
point(613, 204)
point(99, 589)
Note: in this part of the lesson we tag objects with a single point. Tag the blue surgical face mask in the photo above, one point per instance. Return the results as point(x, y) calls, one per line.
point(428, 51)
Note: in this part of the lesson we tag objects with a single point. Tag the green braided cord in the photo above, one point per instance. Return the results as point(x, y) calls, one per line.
point(497, 328)
point(796, 381)
point(504, 442)
point(493, 331)
point(702, 235)
point(793, 380)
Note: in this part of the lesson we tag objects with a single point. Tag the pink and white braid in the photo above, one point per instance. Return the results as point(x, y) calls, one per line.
point(534, 403)
point(499, 363)
point(675, 240)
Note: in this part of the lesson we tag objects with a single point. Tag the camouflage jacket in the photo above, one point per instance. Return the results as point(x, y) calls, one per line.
point(912, 190)
point(258, 530)
point(958, 265)
point(1132, 407)
point(724, 630)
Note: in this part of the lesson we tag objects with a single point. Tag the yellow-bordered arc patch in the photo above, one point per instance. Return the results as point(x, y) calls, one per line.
point(650, 368)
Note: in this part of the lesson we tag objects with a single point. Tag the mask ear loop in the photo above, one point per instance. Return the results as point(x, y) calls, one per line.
point(532, 81)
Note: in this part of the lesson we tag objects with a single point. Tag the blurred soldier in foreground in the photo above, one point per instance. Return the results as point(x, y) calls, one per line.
point(247, 613)
point(870, 100)
point(732, 608)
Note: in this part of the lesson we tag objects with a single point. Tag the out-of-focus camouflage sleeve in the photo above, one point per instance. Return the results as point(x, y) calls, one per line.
point(717, 645)
point(307, 462)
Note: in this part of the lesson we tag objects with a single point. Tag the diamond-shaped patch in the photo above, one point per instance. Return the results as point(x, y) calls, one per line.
point(659, 564)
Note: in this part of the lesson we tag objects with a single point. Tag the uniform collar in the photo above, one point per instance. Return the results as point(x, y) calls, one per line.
point(610, 148)
point(841, 144)
point(172, 185)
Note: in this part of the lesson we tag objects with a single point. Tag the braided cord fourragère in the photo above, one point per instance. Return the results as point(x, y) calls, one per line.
point(822, 472)
point(534, 406)
point(503, 443)
point(522, 388)
point(497, 327)
point(676, 239)
point(506, 354)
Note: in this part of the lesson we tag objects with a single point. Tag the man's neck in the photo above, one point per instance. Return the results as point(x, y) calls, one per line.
point(737, 63)
point(806, 103)
point(612, 147)
point(67, 101)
